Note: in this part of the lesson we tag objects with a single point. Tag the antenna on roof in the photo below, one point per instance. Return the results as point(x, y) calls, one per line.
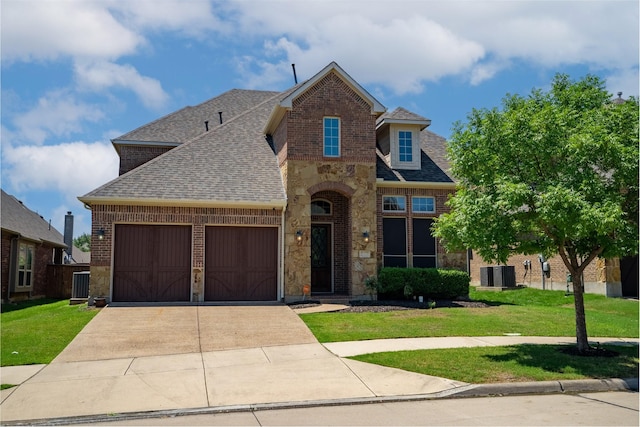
point(220, 114)
point(295, 77)
point(206, 125)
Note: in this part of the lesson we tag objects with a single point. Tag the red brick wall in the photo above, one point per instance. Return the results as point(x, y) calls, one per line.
point(330, 97)
point(133, 156)
point(39, 279)
point(6, 251)
point(105, 216)
point(534, 276)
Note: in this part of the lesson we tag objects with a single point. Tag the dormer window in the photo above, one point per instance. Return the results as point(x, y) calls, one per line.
point(331, 138)
point(405, 145)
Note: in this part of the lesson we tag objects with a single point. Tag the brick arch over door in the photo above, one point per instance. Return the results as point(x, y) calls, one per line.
point(338, 187)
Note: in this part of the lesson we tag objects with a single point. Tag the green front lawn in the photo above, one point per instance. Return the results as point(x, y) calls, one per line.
point(524, 311)
point(519, 363)
point(37, 331)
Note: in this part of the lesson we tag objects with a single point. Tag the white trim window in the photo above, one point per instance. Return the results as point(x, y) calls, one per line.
point(331, 137)
point(423, 204)
point(24, 276)
point(405, 146)
point(394, 204)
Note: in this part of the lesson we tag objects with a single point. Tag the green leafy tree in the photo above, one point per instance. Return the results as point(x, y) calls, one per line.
point(83, 242)
point(552, 173)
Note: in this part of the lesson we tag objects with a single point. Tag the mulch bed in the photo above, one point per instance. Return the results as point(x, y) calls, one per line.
point(358, 306)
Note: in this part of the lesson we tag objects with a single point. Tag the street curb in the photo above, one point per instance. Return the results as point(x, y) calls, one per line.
point(469, 391)
point(548, 387)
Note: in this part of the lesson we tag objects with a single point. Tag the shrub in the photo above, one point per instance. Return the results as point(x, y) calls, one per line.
point(432, 283)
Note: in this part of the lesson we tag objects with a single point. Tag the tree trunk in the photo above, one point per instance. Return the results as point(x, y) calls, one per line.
point(581, 323)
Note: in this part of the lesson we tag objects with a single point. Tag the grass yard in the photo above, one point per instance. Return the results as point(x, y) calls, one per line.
point(525, 311)
point(510, 364)
point(37, 331)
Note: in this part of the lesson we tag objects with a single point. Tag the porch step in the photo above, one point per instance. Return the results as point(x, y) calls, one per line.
point(331, 299)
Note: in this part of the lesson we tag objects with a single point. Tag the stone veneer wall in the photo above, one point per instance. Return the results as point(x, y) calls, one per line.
point(107, 216)
point(354, 181)
point(455, 260)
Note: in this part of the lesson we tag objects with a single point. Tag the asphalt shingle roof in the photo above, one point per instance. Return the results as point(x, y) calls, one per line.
point(187, 123)
point(433, 160)
point(18, 219)
point(231, 163)
point(401, 114)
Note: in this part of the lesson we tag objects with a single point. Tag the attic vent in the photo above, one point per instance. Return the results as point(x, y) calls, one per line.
point(206, 125)
point(220, 114)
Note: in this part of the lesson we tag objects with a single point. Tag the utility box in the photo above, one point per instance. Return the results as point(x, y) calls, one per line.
point(486, 276)
point(504, 276)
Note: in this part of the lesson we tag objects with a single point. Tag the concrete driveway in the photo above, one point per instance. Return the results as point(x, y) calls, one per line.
point(124, 332)
point(181, 358)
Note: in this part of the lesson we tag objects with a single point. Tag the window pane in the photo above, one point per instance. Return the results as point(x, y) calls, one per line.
point(405, 146)
point(423, 204)
point(320, 207)
point(331, 137)
point(394, 236)
point(393, 204)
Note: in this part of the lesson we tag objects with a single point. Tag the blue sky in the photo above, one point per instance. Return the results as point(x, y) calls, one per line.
point(76, 74)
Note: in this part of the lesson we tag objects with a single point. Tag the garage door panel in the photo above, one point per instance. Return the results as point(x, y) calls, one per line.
point(152, 263)
point(132, 286)
point(241, 263)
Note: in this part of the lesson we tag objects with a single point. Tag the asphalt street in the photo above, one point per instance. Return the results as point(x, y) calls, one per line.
point(588, 409)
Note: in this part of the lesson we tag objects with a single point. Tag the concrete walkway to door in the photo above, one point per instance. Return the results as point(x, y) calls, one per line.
point(181, 358)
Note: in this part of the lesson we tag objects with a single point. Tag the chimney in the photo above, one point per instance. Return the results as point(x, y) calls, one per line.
point(68, 232)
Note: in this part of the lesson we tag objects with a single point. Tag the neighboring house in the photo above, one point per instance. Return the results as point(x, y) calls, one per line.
point(29, 245)
point(252, 195)
point(77, 256)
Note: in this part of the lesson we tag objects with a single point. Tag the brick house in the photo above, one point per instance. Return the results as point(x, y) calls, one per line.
point(251, 195)
point(29, 246)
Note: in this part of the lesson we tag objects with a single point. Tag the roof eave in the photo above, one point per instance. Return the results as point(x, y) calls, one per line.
point(245, 204)
point(422, 123)
point(382, 183)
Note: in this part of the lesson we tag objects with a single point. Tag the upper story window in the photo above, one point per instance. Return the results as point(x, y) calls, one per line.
point(320, 207)
point(331, 137)
point(423, 204)
point(393, 204)
point(405, 146)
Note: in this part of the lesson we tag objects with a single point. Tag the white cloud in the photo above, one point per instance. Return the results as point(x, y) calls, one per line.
point(406, 43)
point(101, 75)
point(47, 30)
point(72, 168)
point(56, 113)
point(194, 18)
point(625, 81)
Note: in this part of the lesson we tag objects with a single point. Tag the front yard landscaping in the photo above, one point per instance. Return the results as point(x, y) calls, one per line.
point(523, 311)
point(37, 331)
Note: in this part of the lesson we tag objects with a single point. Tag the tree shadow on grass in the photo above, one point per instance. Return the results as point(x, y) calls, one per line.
point(617, 361)
point(13, 306)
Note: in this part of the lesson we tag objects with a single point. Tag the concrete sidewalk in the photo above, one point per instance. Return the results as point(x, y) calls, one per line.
point(293, 375)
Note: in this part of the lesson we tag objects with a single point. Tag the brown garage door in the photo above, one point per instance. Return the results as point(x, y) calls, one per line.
point(152, 263)
point(241, 263)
